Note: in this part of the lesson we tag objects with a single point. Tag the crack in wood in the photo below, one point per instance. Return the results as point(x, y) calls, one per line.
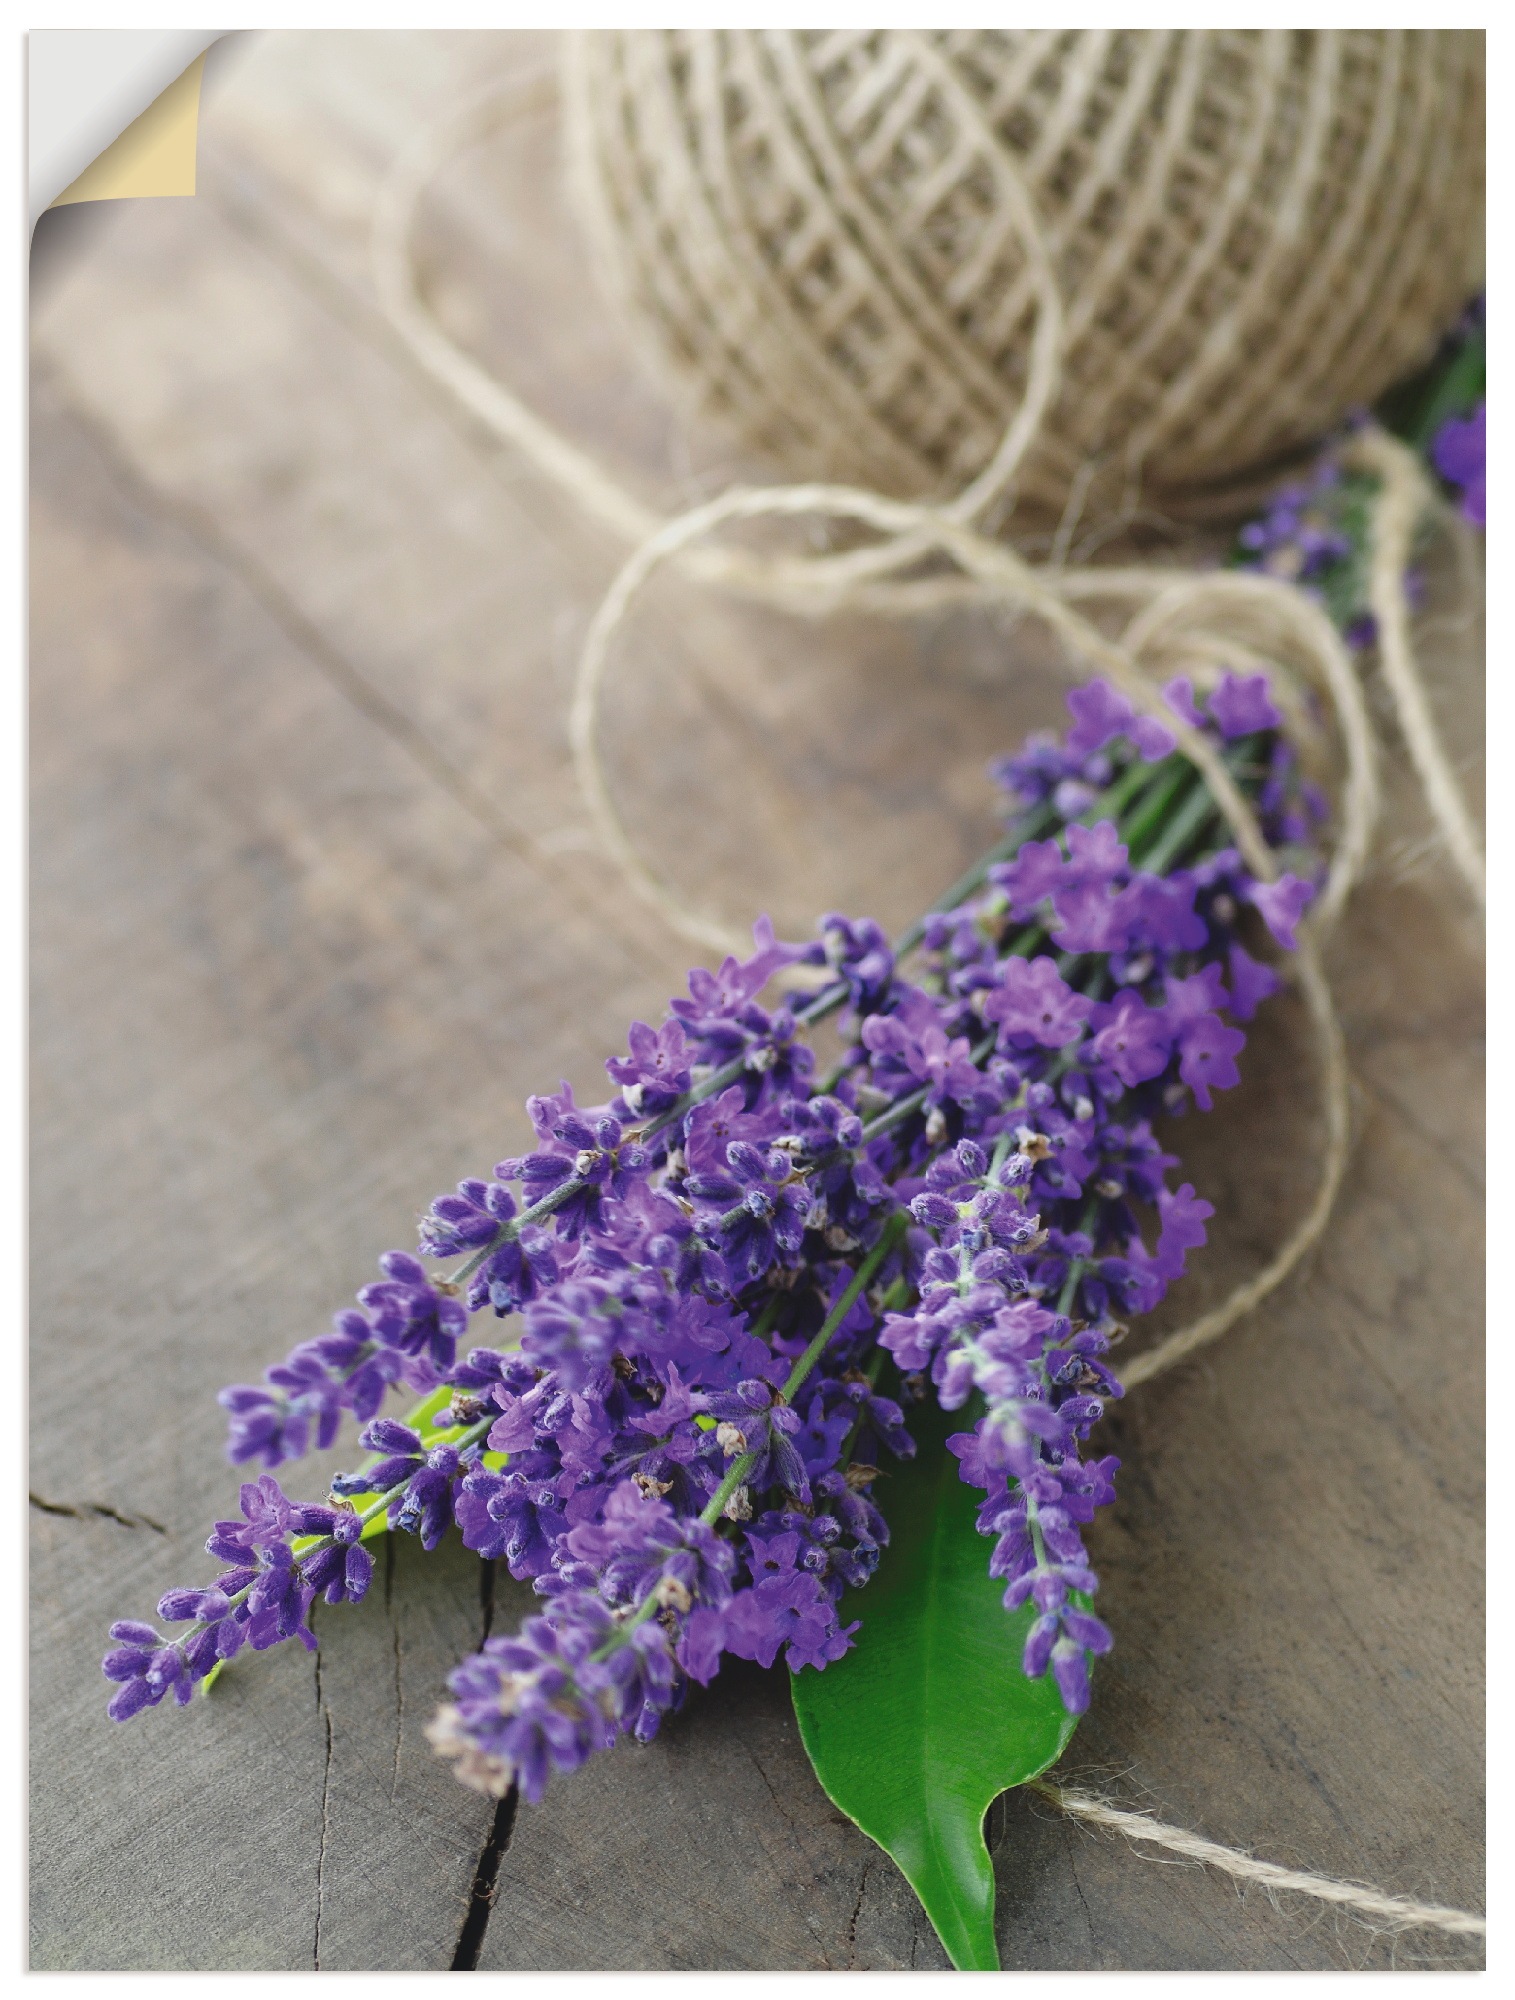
point(87, 1510)
point(1083, 1900)
point(857, 1911)
point(788, 1819)
point(485, 1878)
point(394, 1788)
point(325, 1714)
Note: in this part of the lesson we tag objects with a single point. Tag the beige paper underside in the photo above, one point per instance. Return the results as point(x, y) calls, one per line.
point(155, 155)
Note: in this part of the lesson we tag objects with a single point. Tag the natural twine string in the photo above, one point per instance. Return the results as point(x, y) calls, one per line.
point(1174, 622)
point(839, 241)
point(1403, 1912)
point(1404, 498)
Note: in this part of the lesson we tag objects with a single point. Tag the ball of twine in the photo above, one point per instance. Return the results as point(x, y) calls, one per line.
point(1170, 259)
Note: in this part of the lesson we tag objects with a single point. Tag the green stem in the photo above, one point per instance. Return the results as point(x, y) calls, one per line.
point(1176, 772)
point(1080, 1264)
point(1027, 828)
point(1023, 943)
point(894, 1229)
point(1133, 780)
point(715, 1506)
point(1034, 1527)
point(762, 1326)
point(1175, 836)
point(1131, 783)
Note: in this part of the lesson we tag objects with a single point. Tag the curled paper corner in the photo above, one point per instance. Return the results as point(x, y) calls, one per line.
point(112, 113)
point(155, 155)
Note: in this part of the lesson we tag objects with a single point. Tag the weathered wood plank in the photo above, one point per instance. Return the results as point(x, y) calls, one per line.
point(313, 912)
point(260, 941)
point(400, 1849)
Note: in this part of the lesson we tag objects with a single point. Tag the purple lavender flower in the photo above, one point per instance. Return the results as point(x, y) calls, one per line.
point(656, 1072)
point(1033, 1004)
point(267, 1518)
point(463, 1221)
point(405, 1312)
point(640, 1546)
point(1282, 904)
point(789, 1612)
point(905, 1059)
point(862, 955)
point(755, 1210)
point(515, 1515)
point(587, 1157)
point(1182, 1216)
point(341, 1569)
point(1458, 453)
point(1101, 712)
point(710, 1127)
point(1133, 1038)
point(1242, 705)
point(1208, 1049)
point(1036, 873)
point(1251, 982)
point(724, 1022)
point(1301, 537)
point(520, 1711)
point(145, 1668)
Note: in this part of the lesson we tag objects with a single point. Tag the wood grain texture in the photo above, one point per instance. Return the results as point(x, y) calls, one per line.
point(315, 907)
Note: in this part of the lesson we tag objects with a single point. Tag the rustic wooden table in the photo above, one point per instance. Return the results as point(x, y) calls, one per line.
point(316, 906)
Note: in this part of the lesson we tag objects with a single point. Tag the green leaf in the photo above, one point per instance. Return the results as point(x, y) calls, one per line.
point(929, 1717)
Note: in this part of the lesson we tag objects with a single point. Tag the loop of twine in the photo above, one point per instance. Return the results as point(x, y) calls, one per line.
point(1175, 622)
point(1404, 498)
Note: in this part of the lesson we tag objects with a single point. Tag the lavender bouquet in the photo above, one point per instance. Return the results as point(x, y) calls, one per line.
point(801, 1361)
